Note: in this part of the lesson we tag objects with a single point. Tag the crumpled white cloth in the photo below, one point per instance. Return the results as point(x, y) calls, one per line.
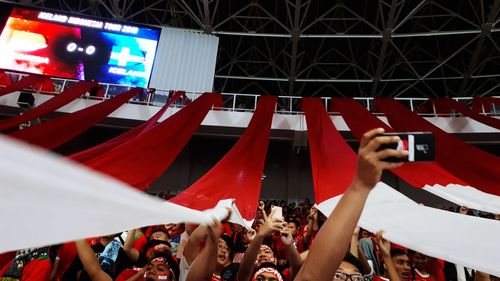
point(467, 196)
point(461, 239)
point(46, 199)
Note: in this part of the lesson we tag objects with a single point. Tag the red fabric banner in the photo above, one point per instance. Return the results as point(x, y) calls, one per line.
point(238, 174)
point(446, 105)
point(92, 152)
point(54, 103)
point(418, 174)
point(25, 82)
point(141, 160)
point(483, 104)
point(5, 80)
point(333, 161)
point(52, 133)
point(476, 167)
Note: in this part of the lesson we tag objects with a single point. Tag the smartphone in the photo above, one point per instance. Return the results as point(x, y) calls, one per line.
point(278, 213)
point(420, 146)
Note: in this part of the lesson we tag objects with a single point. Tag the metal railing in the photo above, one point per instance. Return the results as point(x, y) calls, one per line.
point(241, 102)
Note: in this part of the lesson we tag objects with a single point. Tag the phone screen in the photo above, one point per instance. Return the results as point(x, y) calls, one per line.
point(420, 146)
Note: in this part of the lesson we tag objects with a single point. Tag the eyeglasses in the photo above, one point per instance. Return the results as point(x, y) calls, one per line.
point(354, 277)
point(223, 248)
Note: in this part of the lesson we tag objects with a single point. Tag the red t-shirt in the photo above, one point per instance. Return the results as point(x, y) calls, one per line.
point(35, 270)
point(66, 254)
point(380, 278)
point(6, 258)
point(420, 277)
point(127, 273)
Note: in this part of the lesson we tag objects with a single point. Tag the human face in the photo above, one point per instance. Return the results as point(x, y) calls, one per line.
point(293, 228)
point(157, 270)
point(347, 271)
point(159, 235)
point(265, 255)
point(402, 265)
point(420, 261)
point(223, 259)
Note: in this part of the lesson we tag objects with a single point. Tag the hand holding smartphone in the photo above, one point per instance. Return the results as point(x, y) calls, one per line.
point(420, 146)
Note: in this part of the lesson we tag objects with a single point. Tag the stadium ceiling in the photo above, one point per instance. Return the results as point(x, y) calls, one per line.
point(395, 48)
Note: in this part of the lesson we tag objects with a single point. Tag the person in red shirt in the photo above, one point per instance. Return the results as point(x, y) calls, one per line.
point(419, 273)
point(28, 265)
point(161, 266)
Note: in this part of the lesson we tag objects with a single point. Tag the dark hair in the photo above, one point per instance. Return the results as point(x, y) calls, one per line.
point(398, 252)
point(350, 258)
point(151, 243)
point(230, 244)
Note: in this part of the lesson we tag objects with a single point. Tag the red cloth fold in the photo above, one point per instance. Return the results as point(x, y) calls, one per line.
point(52, 133)
point(238, 174)
point(49, 106)
point(476, 167)
point(5, 79)
point(25, 82)
point(418, 174)
point(92, 152)
point(333, 161)
point(141, 160)
point(483, 104)
point(446, 105)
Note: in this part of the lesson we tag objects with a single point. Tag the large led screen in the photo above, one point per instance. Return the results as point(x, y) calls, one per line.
point(76, 47)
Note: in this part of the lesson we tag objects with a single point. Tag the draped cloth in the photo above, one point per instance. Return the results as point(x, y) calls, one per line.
point(446, 105)
point(483, 104)
point(141, 160)
point(52, 133)
point(476, 167)
point(388, 210)
point(427, 175)
point(466, 240)
point(325, 141)
point(66, 201)
point(25, 82)
point(92, 152)
point(69, 95)
point(238, 175)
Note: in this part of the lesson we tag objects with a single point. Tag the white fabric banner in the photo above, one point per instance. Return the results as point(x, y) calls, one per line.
point(47, 200)
point(461, 239)
point(467, 196)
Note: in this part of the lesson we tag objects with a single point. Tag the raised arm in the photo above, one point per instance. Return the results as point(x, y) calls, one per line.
point(204, 265)
point(246, 267)
point(128, 248)
point(331, 243)
point(90, 262)
point(385, 249)
point(193, 245)
point(293, 254)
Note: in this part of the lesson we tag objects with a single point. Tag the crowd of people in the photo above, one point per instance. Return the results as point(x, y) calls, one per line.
point(286, 242)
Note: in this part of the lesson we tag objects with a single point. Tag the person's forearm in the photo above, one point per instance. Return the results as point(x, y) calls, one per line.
point(330, 245)
point(90, 262)
point(129, 242)
point(128, 247)
point(294, 259)
point(204, 265)
point(246, 266)
point(353, 248)
point(391, 270)
point(193, 245)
